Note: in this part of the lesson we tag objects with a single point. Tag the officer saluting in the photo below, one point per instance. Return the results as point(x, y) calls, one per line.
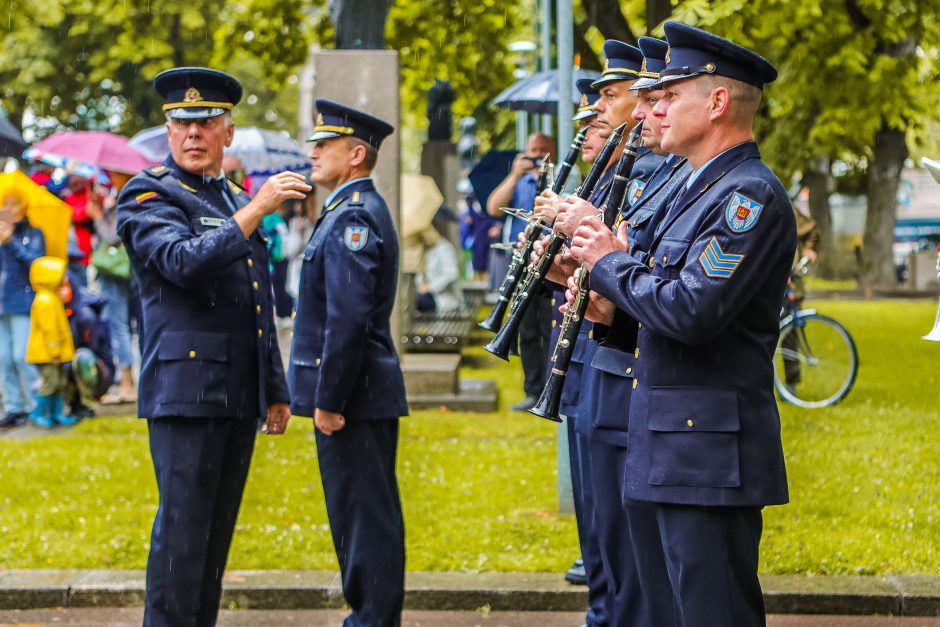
point(705, 445)
point(344, 369)
point(211, 366)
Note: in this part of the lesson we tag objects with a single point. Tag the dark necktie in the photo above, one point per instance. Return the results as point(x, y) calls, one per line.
point(221, 186)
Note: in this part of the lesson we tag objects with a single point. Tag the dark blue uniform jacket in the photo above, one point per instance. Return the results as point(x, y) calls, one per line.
point(209, 346)
point(343, 359)
point(613, 363)
point(704, 427)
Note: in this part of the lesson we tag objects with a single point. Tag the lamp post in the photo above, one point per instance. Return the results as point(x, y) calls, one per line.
point(522, 49)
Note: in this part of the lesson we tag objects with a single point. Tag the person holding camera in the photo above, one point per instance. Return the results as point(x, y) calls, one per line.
point(518, 190)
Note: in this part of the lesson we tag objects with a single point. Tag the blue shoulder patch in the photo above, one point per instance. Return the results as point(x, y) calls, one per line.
point(636, 191)
point(356, 237)
point(742, 213)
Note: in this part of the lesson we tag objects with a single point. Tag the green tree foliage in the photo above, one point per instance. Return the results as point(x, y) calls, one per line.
point(462, 41)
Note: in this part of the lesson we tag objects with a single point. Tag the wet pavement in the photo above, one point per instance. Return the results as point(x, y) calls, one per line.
point(131, 617)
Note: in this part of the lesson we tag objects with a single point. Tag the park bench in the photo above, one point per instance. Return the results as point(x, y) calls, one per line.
point(443, 332)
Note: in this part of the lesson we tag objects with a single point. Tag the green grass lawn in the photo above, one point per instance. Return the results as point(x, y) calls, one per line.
point(479, 490)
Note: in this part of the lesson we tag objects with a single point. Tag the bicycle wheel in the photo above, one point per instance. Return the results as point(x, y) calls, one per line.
point(816, 361)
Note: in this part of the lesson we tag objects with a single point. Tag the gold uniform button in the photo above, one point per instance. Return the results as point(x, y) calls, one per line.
point(665, 259)
point(690, 423)
point(257, 308)
point(636, 354)
point(553, 302)
point(192, 354)
point(636, 382)
point(554, 323)
point(260, 332)
point(254, 284)
point(639, 325)
point(629, 370)
point(251, 263)
point(318, 361)
point(651, 262)
point(591, 334)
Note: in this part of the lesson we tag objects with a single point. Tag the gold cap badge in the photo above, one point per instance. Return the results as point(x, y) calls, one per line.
point(192, 95)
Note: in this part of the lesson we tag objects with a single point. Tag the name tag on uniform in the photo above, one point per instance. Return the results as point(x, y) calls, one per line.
point(211, 222)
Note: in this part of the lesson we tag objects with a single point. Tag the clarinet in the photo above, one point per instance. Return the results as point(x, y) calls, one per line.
point(520, 258)
point(528, 287)
point(550, 399)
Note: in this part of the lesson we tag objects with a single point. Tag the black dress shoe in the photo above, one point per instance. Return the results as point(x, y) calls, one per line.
point(576, 574)
point(527, 403)
point(12, 419)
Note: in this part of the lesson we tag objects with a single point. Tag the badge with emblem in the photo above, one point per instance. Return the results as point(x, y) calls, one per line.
point(192, 95)
point(356, 237)
point(741, 213)
point(636, 190)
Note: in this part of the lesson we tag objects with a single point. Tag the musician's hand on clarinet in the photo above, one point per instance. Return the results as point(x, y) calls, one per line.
point(573, 210)
point(538, 249)
point(562, 267)
point(522, 241)
point(547, 204)
point(592, 240)
point(599, 309)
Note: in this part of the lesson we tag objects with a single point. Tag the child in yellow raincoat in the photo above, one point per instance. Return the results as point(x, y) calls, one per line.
point(50, 344)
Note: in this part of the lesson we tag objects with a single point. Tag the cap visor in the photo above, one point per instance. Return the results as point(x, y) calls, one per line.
point(583, 115)
point(644, 83)
point(195, 113)
point(325, 135)
point(612, 78)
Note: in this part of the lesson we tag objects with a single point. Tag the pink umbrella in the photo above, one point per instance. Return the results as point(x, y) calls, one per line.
point(100, 148)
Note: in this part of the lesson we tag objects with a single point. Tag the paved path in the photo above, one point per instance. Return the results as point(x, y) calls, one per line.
point(131, 617)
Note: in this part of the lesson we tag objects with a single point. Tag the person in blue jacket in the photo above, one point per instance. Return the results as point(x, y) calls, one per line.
point(20, 245)
point(705, 447)
point(344, 369)
point(210, 367)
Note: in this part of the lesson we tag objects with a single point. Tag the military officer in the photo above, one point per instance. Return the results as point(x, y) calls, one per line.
point(705, 445)
point(210, 361)
point(344, 369)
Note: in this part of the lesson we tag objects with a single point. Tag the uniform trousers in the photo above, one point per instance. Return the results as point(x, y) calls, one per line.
point(201, 466)
point(535, 330)
point(633, 600)
point(357, 467)
point(584, 510)
point(711, 555)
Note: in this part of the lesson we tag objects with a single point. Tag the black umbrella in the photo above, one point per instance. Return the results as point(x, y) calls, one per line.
point(11, 142)
point(490, 172)
point(538, 93)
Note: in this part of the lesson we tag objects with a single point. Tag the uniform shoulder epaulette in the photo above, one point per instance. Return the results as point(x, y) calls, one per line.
point(356, 200)
point(158, 171)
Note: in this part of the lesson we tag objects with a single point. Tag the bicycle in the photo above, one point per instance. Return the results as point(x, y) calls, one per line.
point(815, 354)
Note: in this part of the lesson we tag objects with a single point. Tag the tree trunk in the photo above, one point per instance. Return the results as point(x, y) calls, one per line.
point(609, 19)
point(657, 11)
point(884, 176)
point(816, 178)
point(360, 24)
point(589, 59)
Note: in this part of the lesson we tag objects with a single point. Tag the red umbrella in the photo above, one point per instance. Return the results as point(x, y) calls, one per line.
point(105, 150)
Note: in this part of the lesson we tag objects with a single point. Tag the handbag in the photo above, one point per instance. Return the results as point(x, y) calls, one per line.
point(112, 260)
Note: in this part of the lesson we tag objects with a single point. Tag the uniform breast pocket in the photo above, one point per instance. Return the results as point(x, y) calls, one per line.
point(694, 437)
point(193, 366)
point(305, 370)
point(670, 256)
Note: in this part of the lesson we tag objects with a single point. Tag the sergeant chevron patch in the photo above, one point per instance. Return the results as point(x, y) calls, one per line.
point(717, 263)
